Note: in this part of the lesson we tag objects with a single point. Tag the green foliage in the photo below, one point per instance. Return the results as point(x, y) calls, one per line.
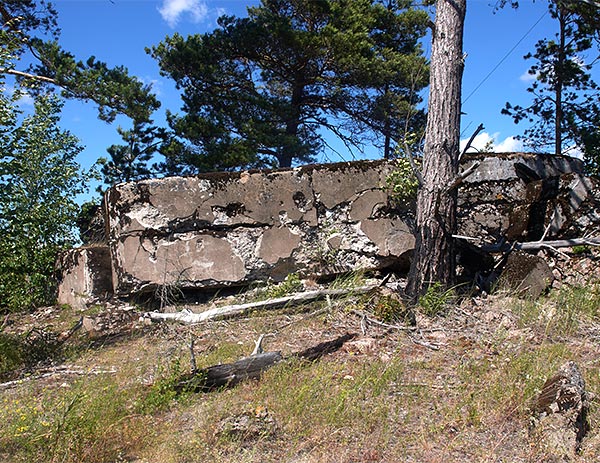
point(30, 28)
point(580, 249)
point(436, 299)
point(131, 161)
point(402, 184)
point(261, 90)
point(39, 180)
point(565, 106)
point(390, 309)
point(163, 391)
point(91, 223)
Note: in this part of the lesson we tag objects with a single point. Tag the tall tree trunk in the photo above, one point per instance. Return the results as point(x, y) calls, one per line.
point(559, 71)
point(293, 123)
point(434, 257)
point(387, 145)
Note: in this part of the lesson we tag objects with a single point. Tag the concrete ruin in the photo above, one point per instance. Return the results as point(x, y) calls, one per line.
point(85, 276)
point(227, 230)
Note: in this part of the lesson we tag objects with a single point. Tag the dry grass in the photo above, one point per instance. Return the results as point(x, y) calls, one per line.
point(382, 398)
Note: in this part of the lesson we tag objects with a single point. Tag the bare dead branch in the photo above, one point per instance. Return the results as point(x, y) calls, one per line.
point(534, 245)
point(27, 75)
point(461, 177)
point(479, 128)
point(189, 317)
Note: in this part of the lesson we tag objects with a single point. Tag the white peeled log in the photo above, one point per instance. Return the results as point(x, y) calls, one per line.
point(186, 316)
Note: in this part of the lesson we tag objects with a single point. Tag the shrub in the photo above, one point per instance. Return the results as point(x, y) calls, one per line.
point(402, 184)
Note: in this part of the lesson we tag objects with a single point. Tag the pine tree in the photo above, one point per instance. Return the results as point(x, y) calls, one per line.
point(434, 260)
point(131, 161)
point(30, 28)
point(565, 109)
point(262, 90)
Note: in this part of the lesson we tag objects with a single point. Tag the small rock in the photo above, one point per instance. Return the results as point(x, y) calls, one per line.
point(559, 421)
point(527, 275)
point(247, 426)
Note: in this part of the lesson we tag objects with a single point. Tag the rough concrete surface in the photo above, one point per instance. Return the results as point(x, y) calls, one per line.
point(220, 230)
point(84, 275)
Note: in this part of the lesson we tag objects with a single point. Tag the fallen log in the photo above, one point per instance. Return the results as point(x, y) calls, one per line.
point(188, 317)
point(230, 374)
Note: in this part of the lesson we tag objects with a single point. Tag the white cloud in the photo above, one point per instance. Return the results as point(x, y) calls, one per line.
point(491, 143)
point(508, 145)
point(26, 100)
point(172, 10)
point(478, 143)
point(528, 77)
point(574, 151)
point(155, 84)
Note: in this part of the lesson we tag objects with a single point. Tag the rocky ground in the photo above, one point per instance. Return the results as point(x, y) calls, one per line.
point(460, 386)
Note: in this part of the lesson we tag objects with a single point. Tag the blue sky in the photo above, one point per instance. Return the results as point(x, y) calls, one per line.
point(117, 31)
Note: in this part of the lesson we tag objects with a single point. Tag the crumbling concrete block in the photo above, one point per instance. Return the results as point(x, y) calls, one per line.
point(84, 276)
point(221, 230)
point(517, 196)
point(231, 229)
point(525, 275)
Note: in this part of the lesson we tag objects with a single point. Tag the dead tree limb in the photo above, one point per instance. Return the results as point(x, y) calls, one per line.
point(463, 175)
point(479, 128)
point(535, 245)
point(189, 317)
point(27, 75)
point(230, 374)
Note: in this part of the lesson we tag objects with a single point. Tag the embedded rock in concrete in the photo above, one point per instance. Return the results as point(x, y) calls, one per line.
point(225, 230)
point(277, 244)
point(518, 196)
point(84, 276)
point(394, 237)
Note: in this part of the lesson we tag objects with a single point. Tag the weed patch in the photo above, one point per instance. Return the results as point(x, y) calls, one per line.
point(437, 299)
point(563, 312)
point(90, 421)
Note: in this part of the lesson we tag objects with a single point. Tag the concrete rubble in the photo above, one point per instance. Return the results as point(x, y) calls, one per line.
point(228, 230)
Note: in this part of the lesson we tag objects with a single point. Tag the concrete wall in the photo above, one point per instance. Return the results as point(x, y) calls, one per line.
point(220, 230)
point(84, 276)
point(224, 230)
